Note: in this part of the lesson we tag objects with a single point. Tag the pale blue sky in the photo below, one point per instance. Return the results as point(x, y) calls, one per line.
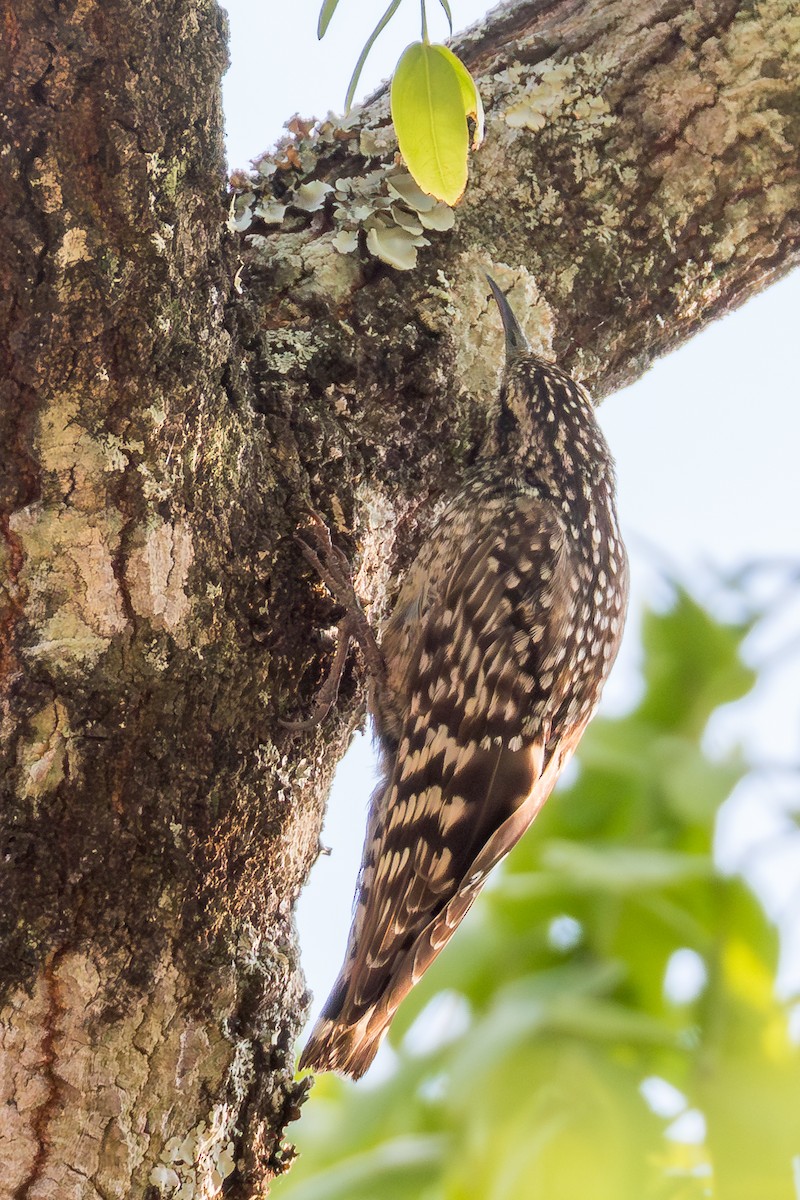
point(707, 447)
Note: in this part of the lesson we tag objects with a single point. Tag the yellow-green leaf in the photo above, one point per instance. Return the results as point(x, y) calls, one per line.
point(325, 14)
point(470, 95)
point(362, 58)
point(429, 114)
point(446, 6)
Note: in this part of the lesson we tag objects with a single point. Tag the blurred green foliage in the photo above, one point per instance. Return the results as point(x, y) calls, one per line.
point(564, 1043)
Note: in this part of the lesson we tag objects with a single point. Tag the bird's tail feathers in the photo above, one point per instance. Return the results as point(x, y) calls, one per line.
point(337, 1044)
point(347, 1040)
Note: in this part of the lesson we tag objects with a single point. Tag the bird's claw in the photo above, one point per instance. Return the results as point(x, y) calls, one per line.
point(333, 569)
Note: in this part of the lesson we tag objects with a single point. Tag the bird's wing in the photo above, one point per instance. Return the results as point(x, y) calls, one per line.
point(472, 767)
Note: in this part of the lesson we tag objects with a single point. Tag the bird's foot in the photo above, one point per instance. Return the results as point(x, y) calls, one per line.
point(333, 568)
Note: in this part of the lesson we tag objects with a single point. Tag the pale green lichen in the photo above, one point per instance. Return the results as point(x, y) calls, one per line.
point(742, 119)
point(479, 348)
point(70, 548)
point(240, 212)
point(697, 288)
point(78, 599)
point(554, 91)
point(346, 241)
point(154, 486)
point(334, 274)
point(378, 143)
point(382, 211)
point(547, 92)
point(563, 101)
point(75, 601)
point(566, 279)
point(194, 1165)
point(310, 197)
point(289, 349)
point(116, 451)
point(166, 175)
point(394, 245)
point(271, 212)
point(157, 414)
point(78, 460)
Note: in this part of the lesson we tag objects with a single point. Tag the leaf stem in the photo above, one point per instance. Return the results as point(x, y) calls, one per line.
point(425, 37)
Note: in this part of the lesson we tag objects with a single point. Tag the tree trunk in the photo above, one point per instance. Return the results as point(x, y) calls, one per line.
point(169, 412)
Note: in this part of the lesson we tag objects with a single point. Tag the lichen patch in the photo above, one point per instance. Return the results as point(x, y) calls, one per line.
point(156, 574)
point(547, 92)
point(80, 462)
point(480, 353)
point(75, 601)
point(195, 1166)
point(571, 89)
point(73, 248)
point(43, 756)
point(381, 210)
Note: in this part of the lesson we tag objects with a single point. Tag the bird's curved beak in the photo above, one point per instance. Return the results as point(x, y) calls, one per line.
point(516, 342)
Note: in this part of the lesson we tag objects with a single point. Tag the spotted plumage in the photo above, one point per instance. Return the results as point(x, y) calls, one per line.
point(504, 632)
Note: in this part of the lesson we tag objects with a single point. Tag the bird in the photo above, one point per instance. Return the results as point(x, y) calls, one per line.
point(493, 661)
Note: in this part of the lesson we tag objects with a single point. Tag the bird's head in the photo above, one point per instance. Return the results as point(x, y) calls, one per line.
point(545, 420)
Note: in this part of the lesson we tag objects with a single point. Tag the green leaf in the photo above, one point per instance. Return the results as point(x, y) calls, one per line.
point(397, 1165)
point(470, 95)
point(692, 666)
point(445, 5)
point(429, 114)
point(621, 869)
point(325, 13)
point(362, 58)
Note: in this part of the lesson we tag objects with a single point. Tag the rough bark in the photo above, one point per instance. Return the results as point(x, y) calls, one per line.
point(168, 411)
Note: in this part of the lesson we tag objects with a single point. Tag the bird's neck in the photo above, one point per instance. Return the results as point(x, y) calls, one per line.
point(547, 432)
